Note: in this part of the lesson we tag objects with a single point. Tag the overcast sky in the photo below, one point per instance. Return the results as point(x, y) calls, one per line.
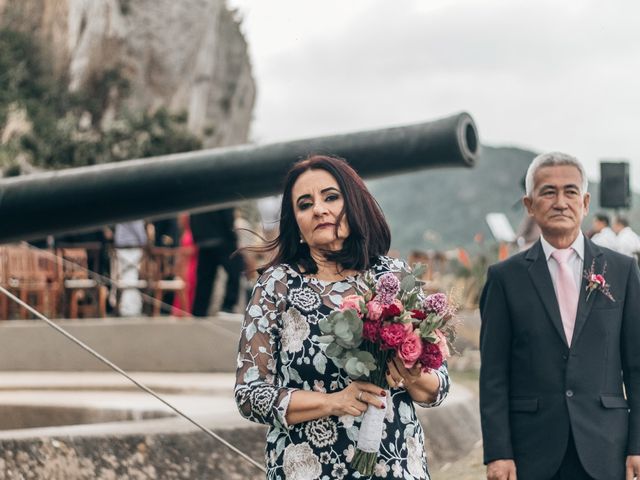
point(545, 74)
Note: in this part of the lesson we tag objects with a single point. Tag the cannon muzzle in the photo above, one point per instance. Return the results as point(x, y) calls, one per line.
point(41, 204)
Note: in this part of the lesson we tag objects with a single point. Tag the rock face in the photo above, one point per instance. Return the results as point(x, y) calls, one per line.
point(187, 56)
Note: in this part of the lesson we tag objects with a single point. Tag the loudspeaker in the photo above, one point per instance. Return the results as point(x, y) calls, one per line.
point(614, 185)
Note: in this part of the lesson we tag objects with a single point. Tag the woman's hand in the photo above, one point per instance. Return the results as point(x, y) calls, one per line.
point(422, 386)
point(398, 376)
point(355, 399)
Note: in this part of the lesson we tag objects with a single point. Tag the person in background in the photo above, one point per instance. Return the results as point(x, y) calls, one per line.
point(214, 235)
point(190, 267)
point(129, 240)
point(603, 235)
point(164, 232)
point(627, 242)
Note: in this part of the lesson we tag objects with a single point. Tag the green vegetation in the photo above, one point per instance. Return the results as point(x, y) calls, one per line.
point(60, 129)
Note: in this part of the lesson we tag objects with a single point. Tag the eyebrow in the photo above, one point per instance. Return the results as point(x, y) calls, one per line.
point(555, 187)
point(324, 190)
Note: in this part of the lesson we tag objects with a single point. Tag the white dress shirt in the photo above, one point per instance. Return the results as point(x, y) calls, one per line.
point(606, 238)
point(628, 242)
point(576, 260)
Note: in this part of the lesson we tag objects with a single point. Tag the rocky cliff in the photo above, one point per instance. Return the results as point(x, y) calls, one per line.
point(187, 56)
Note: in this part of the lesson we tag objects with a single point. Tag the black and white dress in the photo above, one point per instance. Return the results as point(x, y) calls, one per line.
point(279, 353)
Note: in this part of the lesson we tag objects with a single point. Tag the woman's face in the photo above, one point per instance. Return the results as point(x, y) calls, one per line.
point(317, 202)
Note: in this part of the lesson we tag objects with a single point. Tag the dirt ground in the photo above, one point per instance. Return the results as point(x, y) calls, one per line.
point(470, 467)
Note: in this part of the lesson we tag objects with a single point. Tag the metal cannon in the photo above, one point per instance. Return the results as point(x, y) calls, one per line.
point(74, 199)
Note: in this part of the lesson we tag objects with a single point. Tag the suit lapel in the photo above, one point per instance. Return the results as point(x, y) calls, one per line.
point(541, 278)
point(592, 254)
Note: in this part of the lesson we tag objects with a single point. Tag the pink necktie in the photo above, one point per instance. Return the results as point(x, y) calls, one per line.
point(567, 291)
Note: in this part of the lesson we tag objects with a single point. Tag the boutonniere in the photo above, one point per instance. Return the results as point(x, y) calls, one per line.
point(597, 282)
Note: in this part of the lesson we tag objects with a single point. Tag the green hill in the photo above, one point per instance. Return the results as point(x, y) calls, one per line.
point(445, 208)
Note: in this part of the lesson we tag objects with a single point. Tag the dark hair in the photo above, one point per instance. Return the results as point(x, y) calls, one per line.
point(369, 235)
point(622, 221)
point(602, 217)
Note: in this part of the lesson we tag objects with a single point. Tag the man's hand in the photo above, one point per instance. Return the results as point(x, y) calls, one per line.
point(633, 467)
point(502, 470)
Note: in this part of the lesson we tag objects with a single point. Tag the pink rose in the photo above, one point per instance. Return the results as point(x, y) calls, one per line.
point(392, 335)
point(351, 302)
point(410, 350)
point(442, 344)
point(600, 279)
point(375, 310)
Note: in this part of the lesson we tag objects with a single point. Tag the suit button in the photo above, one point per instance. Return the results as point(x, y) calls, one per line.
point(569, 393)
point(565, 357)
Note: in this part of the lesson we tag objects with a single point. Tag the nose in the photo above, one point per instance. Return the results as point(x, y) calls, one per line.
point(561, 202)
point(319, 208)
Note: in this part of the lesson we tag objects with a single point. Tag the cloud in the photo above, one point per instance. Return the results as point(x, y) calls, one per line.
point(546, 74)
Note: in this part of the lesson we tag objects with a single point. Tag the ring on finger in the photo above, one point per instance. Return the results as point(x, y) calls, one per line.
point(359, 397)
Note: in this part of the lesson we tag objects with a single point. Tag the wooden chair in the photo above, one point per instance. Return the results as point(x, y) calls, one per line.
point(81, 292)
point(32, 276)
point(167, 274)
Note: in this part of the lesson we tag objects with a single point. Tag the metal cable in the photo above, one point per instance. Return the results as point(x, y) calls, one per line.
point(105, 280)
point(135, 382)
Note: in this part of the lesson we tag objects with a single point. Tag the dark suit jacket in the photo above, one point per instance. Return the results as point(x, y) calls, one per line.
point(214, 229)
point(534, 388)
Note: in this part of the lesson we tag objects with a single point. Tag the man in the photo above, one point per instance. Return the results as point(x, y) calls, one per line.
point(603, 236)
point(216, 240)
point(628, 242)
point(555, 356)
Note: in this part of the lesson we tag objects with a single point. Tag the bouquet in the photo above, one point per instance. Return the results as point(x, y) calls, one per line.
point(391, 318)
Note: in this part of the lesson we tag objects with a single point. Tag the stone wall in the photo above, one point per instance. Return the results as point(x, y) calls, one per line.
point(187, 56)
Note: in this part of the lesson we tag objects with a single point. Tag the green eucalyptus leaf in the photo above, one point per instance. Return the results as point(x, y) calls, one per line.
point(326, 339)
point(334, 350)
point(325, 325)
point(408, 283)
point(419, 269)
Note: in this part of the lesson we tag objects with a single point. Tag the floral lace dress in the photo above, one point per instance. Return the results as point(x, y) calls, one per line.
point(279, 353)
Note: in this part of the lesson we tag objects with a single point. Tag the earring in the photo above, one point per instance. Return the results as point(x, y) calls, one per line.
point(301, 240)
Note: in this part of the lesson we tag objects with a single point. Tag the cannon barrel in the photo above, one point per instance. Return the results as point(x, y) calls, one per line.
point(74, 199)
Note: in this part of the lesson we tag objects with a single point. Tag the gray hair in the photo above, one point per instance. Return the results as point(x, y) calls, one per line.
point(549, 160)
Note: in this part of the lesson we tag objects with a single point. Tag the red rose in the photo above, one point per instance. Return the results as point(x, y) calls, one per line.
point(371, 331)
point(391, 311)
point(392, 335)
point(431, 357)
point(418, 314)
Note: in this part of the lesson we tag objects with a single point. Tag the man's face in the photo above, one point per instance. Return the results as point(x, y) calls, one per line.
point(557, 204)
point(598, 225)
point(617, 227)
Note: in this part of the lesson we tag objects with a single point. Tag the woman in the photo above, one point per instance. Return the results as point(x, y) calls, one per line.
point(331, 231)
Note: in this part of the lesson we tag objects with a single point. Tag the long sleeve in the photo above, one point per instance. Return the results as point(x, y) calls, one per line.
point(258, 393)
point(443, 390)
point(495, 341)
point(630, 339)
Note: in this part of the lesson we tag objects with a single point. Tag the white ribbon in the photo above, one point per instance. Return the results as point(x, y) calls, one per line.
point(370, 435)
